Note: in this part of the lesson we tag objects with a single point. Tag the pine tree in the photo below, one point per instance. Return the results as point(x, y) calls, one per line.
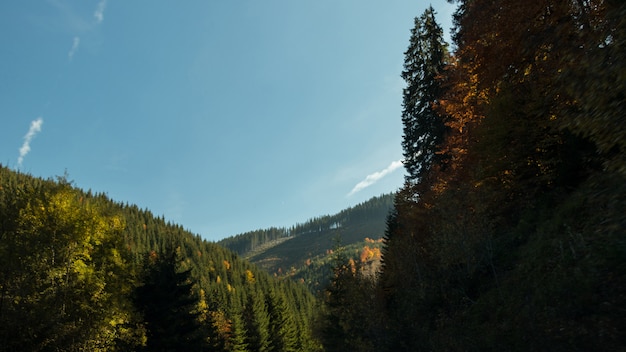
point(238, 333)
point(282, 328)
point(256, 321)
point(167, 304)
point(423, 127)
point(349, 322)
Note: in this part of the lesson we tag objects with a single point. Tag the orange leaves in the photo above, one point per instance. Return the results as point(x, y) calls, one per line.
point(352, 266)
point(368, 254)
point(463, 99)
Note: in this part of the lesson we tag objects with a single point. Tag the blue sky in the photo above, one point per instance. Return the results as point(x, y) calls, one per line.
point(222, 116)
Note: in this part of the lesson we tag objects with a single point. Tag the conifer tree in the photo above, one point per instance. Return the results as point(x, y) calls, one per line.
point(348, 323)
point(423, 127)
point(238, 333)
point(167, 304)
point(256, 320)
point(282, 328)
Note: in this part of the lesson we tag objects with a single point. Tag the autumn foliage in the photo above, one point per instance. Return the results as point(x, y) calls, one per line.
point(496, 246)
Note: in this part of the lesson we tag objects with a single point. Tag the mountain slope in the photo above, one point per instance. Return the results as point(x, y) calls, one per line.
point(83, 254)
point(306, 247)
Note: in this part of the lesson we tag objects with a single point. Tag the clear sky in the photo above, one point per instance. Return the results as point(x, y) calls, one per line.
point(222, 116)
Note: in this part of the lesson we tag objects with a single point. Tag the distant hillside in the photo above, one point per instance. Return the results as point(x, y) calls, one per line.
point(302, 251)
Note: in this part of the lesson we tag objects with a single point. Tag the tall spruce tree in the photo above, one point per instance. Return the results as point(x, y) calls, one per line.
point(256, 320)
point(167, 304)
point(422, 126)
point(282, 328)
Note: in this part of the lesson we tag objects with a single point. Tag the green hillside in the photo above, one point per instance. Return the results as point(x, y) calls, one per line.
point(509, 233)
point(79, 271)
point(303, 251)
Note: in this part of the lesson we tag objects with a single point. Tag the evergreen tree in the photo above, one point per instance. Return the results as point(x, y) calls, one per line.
point(282, 328)
point(167, 304)
point(71, 263)
point(213, 323)
point(496, 254)
point(349, 321)
point(256, 321)
point(423, 127)
point(238, 333)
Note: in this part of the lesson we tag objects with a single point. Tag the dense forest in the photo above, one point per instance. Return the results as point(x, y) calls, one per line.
point(79, 272)
point(509, 233)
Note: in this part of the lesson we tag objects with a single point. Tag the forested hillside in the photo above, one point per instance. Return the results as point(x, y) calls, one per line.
point(354, 224)
point(510, 231)
point(81, 272)
point(304, 251)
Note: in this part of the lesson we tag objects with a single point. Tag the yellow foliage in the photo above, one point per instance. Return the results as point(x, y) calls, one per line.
point(250, 277)
point(77, 254)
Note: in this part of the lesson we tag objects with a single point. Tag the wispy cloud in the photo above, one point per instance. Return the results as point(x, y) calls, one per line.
point(375, 177)
point(35, 127)
point(99, 13)
point(74, 48)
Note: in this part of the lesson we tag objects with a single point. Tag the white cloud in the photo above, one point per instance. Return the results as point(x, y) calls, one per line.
point(35, 127)
point(373, 178)
point(75, 44)
point(99, 13)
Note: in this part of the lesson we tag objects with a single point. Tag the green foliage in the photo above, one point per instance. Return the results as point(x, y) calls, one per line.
point(349, 321)
point(71, 261)
point(164, 298)
point(423, 128)
point(282, 327)
point(305, 254)
point(514, 242)
point(256, 320)
point(64, 273)
point(238, 333)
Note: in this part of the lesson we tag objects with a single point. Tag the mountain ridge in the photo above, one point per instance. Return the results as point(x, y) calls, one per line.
point(303, 252)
